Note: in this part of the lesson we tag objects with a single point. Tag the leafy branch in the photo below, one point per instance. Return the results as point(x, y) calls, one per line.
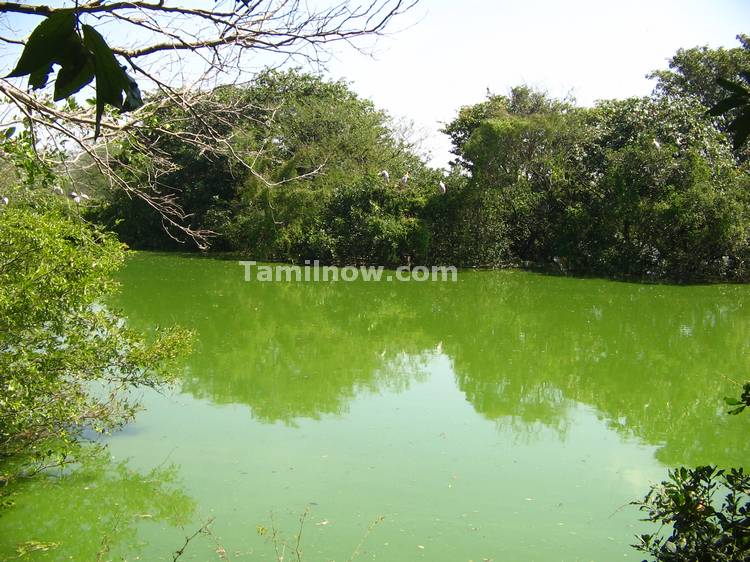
point(738, 405)
point(738, 99)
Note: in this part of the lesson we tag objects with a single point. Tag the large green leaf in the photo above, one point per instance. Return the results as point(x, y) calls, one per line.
point(43, 45)
point(38, 78)
point(110, 76)
point(55, 41)
point(77, 67)
point(72, 78)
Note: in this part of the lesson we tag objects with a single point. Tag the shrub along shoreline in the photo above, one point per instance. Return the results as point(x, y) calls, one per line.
point(639, 189)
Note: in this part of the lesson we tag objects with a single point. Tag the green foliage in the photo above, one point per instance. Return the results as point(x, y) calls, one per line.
point(371, 222)
point(739, 99)
point(313, 144)
point(738, 405)
point(699, 528)
point(522, 101)
point(693, 74)
point(23, 171)
point(672, 202)
point(643, 187)
point(521, 163)
point(66, 361)
point(639, 187)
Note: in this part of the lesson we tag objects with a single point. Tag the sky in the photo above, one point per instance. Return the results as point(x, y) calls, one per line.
point(445, 54)
point(448, 53)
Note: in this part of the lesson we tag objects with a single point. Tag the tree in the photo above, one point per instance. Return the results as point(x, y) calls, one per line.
point(737, 103)
point(708, 75)
point(693, 72)
point(640, 187)
point(66, 362)
point(521, 101)
point(216, 44)
point(322, 141)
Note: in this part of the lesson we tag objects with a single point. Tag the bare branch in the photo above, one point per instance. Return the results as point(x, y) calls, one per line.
point(180, 55)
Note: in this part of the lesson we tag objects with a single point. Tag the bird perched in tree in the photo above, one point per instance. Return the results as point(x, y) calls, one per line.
point(405, 179)
point(57, 190)
point(4, 200)
point(385, 175)
point(442, 187)
point(78, 197)
point(657, 144)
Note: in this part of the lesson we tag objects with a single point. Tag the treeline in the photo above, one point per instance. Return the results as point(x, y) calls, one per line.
point(643, 187)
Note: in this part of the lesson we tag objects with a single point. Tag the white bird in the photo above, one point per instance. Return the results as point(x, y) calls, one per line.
point(560, 262)
point(385, 175)
point(74, 196)
point(657, 145)
point(57, 190)
point(442, 187)
point(4, 200)
point(405, 179)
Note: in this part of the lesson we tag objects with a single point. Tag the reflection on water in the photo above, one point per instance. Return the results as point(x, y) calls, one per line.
point(654, 361)
point(508, 416)
point(91, 511)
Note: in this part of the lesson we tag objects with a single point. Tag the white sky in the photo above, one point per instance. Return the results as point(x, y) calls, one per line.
point(594, 49)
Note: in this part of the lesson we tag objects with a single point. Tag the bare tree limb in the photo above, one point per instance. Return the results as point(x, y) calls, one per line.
point(180, 55)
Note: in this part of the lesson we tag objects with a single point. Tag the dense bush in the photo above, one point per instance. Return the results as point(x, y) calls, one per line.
point(371, 221)
point(642, 187)
point(306, 138)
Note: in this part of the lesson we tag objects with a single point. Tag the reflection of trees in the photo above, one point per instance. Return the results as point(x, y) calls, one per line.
point(648, 358)
point(93, 509)
point(287, 350)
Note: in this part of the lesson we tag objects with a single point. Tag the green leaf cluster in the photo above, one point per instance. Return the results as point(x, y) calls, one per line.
point(698, 526)
point(81, 58)
point(739, 405)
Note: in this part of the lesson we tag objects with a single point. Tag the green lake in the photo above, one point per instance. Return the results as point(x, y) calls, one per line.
point(506, 416)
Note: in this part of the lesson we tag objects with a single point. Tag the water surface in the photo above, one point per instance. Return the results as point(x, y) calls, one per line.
point(507, 416)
